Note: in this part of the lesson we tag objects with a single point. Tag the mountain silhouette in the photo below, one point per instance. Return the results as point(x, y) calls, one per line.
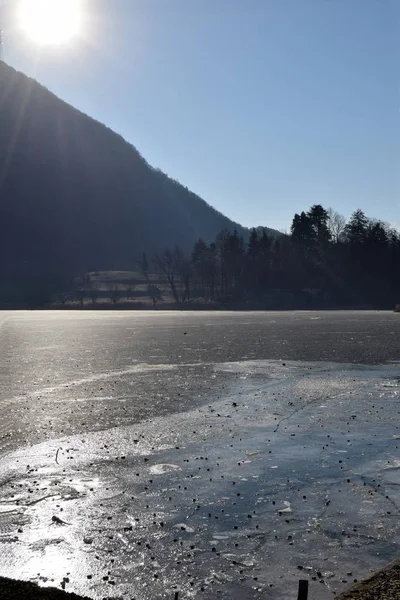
point(76, 197)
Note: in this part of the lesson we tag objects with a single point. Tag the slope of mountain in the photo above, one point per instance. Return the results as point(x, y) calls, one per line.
point(75, 196)
point(274, 233)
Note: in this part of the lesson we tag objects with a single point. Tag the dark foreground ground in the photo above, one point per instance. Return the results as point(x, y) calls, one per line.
point(220, 455)
point(383, 585)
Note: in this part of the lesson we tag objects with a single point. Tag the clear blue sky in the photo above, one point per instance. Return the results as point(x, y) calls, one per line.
point(262, 107)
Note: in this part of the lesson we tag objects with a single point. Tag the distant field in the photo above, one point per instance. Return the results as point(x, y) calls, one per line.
point(131, 290)
point(116, 288)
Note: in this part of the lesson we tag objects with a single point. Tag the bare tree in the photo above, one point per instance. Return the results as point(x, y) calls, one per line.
point(62, 296)
point(112, 289)
point(94, 292)
point(184, 273)
point(155, 294)
point(79, 289)
point(143, 265)
point(80, 295)
point(114, 293)
point(92, 287)
point(336, 225)
point(165, 264)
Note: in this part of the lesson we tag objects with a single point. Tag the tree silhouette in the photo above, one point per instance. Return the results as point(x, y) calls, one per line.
point(324, 262)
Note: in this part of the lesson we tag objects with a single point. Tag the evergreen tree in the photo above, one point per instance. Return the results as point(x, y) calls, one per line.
point(356, 228)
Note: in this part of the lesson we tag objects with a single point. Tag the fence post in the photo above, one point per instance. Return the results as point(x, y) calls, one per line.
point(303, 589)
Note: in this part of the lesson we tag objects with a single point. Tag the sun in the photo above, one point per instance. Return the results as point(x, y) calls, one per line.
point(49, 22)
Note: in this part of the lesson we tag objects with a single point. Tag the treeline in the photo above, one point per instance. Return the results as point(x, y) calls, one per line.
point(325, 262)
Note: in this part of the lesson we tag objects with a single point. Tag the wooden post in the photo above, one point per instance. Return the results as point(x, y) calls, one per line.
point(303, 589)
point(176, 595)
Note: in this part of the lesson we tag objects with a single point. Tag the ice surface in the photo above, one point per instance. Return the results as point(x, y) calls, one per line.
point(283, 471)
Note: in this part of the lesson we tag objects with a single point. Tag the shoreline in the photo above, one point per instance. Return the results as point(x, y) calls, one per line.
point(383, 584)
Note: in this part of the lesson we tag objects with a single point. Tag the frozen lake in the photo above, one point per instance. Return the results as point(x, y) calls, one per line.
point(221, 455)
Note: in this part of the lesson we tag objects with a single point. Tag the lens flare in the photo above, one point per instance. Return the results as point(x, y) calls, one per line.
point(50, 22)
